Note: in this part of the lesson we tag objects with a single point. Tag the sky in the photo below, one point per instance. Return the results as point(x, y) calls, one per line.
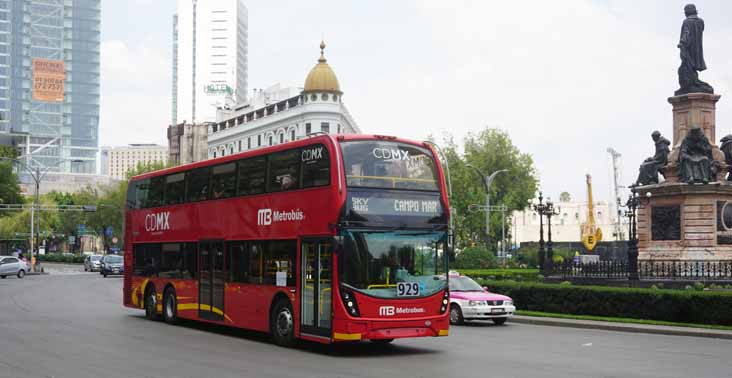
point(565, 79)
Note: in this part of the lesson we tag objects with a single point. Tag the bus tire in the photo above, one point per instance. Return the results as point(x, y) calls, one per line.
point(151, 303)
point(282, 323)
point(170, 306)
point(456, 315)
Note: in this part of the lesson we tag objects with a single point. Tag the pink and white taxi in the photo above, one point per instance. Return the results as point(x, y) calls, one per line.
point(469, 301)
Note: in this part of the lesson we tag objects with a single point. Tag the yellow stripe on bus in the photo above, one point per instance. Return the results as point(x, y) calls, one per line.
point(347, 336)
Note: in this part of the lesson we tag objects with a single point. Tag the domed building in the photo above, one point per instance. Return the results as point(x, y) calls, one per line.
point(277, 115)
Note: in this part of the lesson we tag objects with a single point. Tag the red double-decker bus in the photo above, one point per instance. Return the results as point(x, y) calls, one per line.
point(327, 239)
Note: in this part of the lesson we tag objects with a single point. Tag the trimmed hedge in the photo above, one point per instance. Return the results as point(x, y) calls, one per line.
point(58, 257)
point(502, 274)
point(681, 306)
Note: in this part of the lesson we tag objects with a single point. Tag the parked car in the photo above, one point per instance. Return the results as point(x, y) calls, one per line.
point(470, 301)
point(10, 265)
point(112, 264)
point(92, 263)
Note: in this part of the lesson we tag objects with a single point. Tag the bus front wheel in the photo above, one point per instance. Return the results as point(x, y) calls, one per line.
point(170, 306)
point(151, 304)
point(282, 324)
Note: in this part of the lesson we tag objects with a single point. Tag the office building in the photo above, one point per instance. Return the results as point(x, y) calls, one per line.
point(49, 82)
point(122, 160)
point(187, 143)
point(209, 58)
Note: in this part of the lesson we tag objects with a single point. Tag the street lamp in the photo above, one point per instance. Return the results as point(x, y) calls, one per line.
point(632, 206)
point(549, 212)
point(540, 208)
point(487, 181)
point(37, 176)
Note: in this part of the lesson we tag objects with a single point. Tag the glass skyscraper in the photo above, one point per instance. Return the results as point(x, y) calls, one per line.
point(49, 81)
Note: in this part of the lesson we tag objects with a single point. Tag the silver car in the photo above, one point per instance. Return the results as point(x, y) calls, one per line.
point(12, 266)
point(92, 263)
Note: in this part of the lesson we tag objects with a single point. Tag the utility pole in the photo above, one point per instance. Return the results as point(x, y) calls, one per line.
point(616, 178)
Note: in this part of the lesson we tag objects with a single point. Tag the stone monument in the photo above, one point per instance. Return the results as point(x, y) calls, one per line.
point(688, 215)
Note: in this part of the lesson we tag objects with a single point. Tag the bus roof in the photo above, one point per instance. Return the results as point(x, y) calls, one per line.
point(279, 147)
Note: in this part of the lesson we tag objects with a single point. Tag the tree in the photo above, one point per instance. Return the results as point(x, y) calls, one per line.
point(488, 150)
point(564, 197)
point(9, 185)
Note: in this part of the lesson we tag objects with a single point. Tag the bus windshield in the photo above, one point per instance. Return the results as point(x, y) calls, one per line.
point(380, 263)
point(389, 165)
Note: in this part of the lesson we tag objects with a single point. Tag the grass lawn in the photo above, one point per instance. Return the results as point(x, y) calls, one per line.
point(620, 320)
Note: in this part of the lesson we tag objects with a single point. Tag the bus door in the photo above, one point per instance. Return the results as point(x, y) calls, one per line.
point(211, 280)
point(316, 290)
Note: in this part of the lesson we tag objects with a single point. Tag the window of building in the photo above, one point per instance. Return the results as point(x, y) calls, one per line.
point(198, 185)
point(249, 143)
point(292, 134)
point(259, 140)
point(325, 127)
point(271, 140)
point(307, 129)
point(282, 137)
point(284, 171)
point(252, 175)
point(223, 181)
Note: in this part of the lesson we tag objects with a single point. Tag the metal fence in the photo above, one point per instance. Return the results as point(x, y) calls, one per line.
point(649, 270)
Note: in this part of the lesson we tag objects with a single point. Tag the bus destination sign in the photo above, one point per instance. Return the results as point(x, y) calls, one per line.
point(385, 207)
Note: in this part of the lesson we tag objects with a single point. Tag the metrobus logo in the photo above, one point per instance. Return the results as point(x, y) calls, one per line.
point(157, 221)
point(391, 310)
point(265, 217)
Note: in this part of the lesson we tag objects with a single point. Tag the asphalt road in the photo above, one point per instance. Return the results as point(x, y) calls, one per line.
point(72, 324)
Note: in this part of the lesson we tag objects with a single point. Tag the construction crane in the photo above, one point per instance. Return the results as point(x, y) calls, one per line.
point(616, 191)
point(590, 233)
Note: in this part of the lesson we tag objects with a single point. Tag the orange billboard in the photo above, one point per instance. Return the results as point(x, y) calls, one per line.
point(48, 80)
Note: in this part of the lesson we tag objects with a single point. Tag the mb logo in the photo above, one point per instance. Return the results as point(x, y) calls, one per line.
point(386, 311)
point(264, 217)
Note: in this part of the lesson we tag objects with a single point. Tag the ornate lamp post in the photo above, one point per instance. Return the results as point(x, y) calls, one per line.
point(487, 182)
point(632, 206)
point(540, 208)
point(549, 212)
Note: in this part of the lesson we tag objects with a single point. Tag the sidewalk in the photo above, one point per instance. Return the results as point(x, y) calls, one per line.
point(624, 327)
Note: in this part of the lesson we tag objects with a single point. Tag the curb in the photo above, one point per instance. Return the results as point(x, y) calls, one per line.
point(623, 327)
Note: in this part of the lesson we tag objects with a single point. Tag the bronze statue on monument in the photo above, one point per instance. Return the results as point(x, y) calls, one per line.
point(692, 54)
point(648, 171)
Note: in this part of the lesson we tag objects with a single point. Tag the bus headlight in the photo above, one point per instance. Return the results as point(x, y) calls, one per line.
point(349, 300)
point(445, 302)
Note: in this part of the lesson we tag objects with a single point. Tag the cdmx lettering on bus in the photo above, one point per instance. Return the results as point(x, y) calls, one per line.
point(157, 221)
point(390, 154)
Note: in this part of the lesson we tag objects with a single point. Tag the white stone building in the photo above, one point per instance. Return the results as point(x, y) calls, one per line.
point(121, 160)
point(210, 58)
point(566, 225)
point(277, 115)
point(187, 143)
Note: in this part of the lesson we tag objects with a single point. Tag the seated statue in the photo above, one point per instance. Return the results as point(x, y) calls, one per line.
point(726, 147)
point(648, 171)
point(696, 163)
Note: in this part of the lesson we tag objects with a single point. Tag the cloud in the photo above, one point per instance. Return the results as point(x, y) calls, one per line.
point(135, 103)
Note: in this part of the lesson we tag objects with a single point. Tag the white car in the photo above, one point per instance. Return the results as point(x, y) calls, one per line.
point(12, 266)
point(470, 301)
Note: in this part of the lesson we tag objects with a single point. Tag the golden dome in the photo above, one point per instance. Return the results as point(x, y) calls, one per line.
point(322, 78)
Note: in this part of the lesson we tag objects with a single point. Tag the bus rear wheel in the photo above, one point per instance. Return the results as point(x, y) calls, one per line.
point(151, 304)
point(170, 306)
point(282, 323)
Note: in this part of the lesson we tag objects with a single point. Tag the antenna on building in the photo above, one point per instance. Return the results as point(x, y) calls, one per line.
point(616, 191)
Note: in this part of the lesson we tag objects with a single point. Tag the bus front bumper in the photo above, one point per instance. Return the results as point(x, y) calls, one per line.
point(357, 330)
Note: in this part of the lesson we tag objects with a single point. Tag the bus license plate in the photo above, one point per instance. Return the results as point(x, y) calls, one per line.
point(407, 289)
